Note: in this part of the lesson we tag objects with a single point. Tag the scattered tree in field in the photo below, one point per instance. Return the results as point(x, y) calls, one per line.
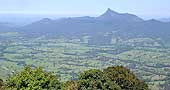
point(33, 79)
point(124, 78)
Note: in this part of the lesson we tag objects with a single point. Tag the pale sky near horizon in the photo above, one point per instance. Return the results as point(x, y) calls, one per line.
point(143, 8)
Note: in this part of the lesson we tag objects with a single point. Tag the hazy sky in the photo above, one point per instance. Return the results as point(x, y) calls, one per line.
point(143, 8)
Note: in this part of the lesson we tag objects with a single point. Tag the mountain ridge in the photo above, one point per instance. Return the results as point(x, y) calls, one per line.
point(115, 16)
point(124, 25)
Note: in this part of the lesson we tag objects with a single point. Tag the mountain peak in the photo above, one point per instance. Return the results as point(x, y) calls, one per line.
point(110, 12)
point(111, 15)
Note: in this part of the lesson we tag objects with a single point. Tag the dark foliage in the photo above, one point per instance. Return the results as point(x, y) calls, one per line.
point(124, 78)
point(1, 83)
point(111, 78)
point(33, 79)
point(71, 85)
point(96, 80)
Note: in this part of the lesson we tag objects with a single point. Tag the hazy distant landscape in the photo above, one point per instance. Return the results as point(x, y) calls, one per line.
point(68, 46)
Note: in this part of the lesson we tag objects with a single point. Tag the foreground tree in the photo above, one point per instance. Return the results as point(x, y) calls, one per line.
point(33, 79)
point(1, 83)
point(70, 85)
point(111, 78)
point(124, 78)
point(96, 80)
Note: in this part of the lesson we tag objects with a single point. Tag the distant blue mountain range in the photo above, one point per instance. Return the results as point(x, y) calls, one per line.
point(123, 25)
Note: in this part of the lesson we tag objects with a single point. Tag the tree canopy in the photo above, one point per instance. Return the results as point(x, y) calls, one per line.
point(96, 80)
point(111, 78)
point(1, 83)
point(33, 79)
point(124, 78)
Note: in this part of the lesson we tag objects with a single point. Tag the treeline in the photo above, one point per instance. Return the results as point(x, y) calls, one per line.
point(111, 78)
